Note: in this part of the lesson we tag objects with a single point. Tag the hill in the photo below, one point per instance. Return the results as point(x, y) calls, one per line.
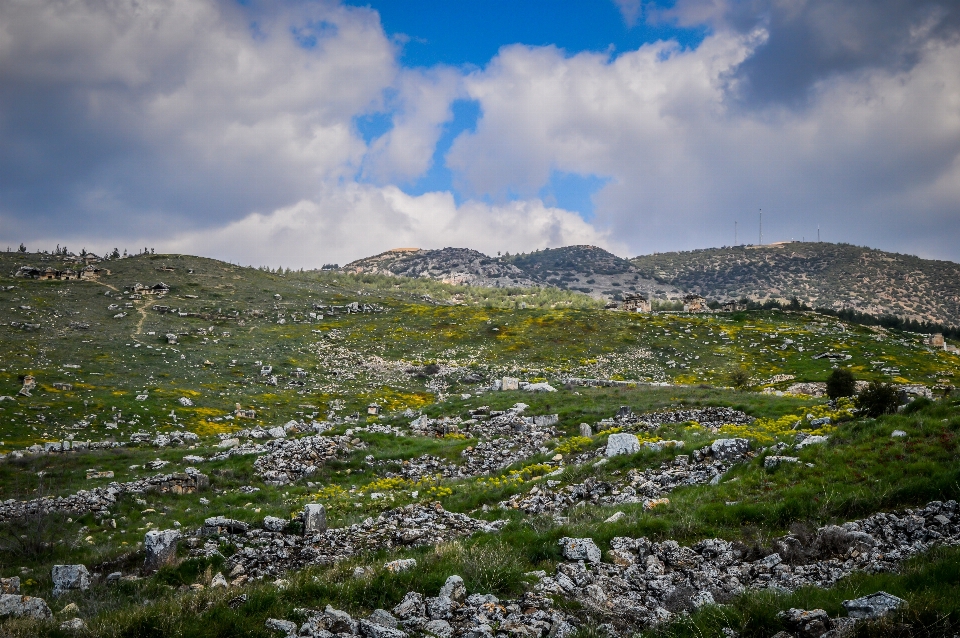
point(834, 276)
point(585, 269)
point(621, 468)
point(590, 270)
point(458, 266)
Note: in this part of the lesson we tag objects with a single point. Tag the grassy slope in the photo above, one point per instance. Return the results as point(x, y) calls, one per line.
point(853, 476)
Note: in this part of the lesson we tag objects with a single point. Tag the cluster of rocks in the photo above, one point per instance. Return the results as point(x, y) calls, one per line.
point(261, 552)
point(165, 439)
point(289, 460)
point(451, 613)
point(646, 582)
point(505, 438)
point(708, 417)
point(704, 466)
point(100, 499)
point(59, 447)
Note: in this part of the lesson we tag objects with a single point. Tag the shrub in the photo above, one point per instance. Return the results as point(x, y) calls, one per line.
point(841, 384)
point(740, 379)
point(878, 398)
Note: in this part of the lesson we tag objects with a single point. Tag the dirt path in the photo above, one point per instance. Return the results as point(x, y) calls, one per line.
point(142, 309)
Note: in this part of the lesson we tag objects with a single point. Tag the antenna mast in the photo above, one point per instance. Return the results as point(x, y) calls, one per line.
point(761, 227)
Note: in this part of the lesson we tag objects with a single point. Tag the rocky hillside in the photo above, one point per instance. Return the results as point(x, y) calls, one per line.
point(585, 269)
point(459, 266)
point(590, 270)
point(825, 275)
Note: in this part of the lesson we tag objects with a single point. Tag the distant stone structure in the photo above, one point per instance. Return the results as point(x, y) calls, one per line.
point(695, 303)
point(635, 302)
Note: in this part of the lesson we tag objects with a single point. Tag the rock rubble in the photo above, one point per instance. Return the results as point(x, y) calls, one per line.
point(648, 582)
point(102, 498)
point(263, 553)
point(704, 466)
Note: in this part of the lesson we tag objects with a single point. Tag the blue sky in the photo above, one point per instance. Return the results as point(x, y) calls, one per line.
point(469, 33)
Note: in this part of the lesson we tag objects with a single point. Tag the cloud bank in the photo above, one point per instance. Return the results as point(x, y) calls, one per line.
point(232, 131)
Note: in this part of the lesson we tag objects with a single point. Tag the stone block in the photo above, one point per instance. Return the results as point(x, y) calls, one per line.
point(622, 443)
point(314, 519)
point(160, 547)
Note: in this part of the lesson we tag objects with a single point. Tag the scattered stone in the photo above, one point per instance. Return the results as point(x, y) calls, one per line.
point(510, 383)
point(219, 581)
point(314, 519)
point(806, 624)
point(96, 474)
point(898, 434)
point(873, 606)
point(616, 517)
point(727, 449)
point(772, 462)
point(585, 430)
point(17, 606)
point(221, 524)
point(580, 549)
point(287, 627)
point(274, 524)
point(74, 624)
point(383, 618)
point(69, 577)
point(622, 443)
point(804, 440)
point(185, 402)
point(161, 548)
point(400, 565)
point(10, 585)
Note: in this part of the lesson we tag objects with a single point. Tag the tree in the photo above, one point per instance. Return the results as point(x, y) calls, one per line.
point(23, 248)
point(841, 383)
point(878, 398)
point(115, 254)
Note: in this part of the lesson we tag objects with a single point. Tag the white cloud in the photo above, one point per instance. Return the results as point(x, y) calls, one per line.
point(685, 160)
point(357, 220)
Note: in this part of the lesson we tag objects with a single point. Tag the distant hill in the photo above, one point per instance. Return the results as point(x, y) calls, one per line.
point(590, 270)
point(450, 265)
point(835, 276)
point(585, 269)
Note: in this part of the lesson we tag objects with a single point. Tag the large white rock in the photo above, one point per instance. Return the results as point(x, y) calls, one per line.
point(727, 449)
point(314, 519)
point(454, 589)
point(67, 577)
point(873, 606)
point(580, 549)
point(161, 548)
point(622, 443)
point(510, 383)
point(274, 523)
point(19, 606)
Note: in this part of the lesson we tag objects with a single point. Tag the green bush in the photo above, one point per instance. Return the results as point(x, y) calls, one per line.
point(878, 398)
point(841, 384)
point(740, 379)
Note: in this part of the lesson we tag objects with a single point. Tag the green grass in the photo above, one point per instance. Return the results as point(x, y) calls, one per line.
point(353, 360)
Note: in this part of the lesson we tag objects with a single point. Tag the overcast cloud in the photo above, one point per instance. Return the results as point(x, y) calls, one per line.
point(230, 131)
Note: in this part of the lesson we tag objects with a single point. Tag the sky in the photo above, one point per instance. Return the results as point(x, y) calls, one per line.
point(298, 133)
